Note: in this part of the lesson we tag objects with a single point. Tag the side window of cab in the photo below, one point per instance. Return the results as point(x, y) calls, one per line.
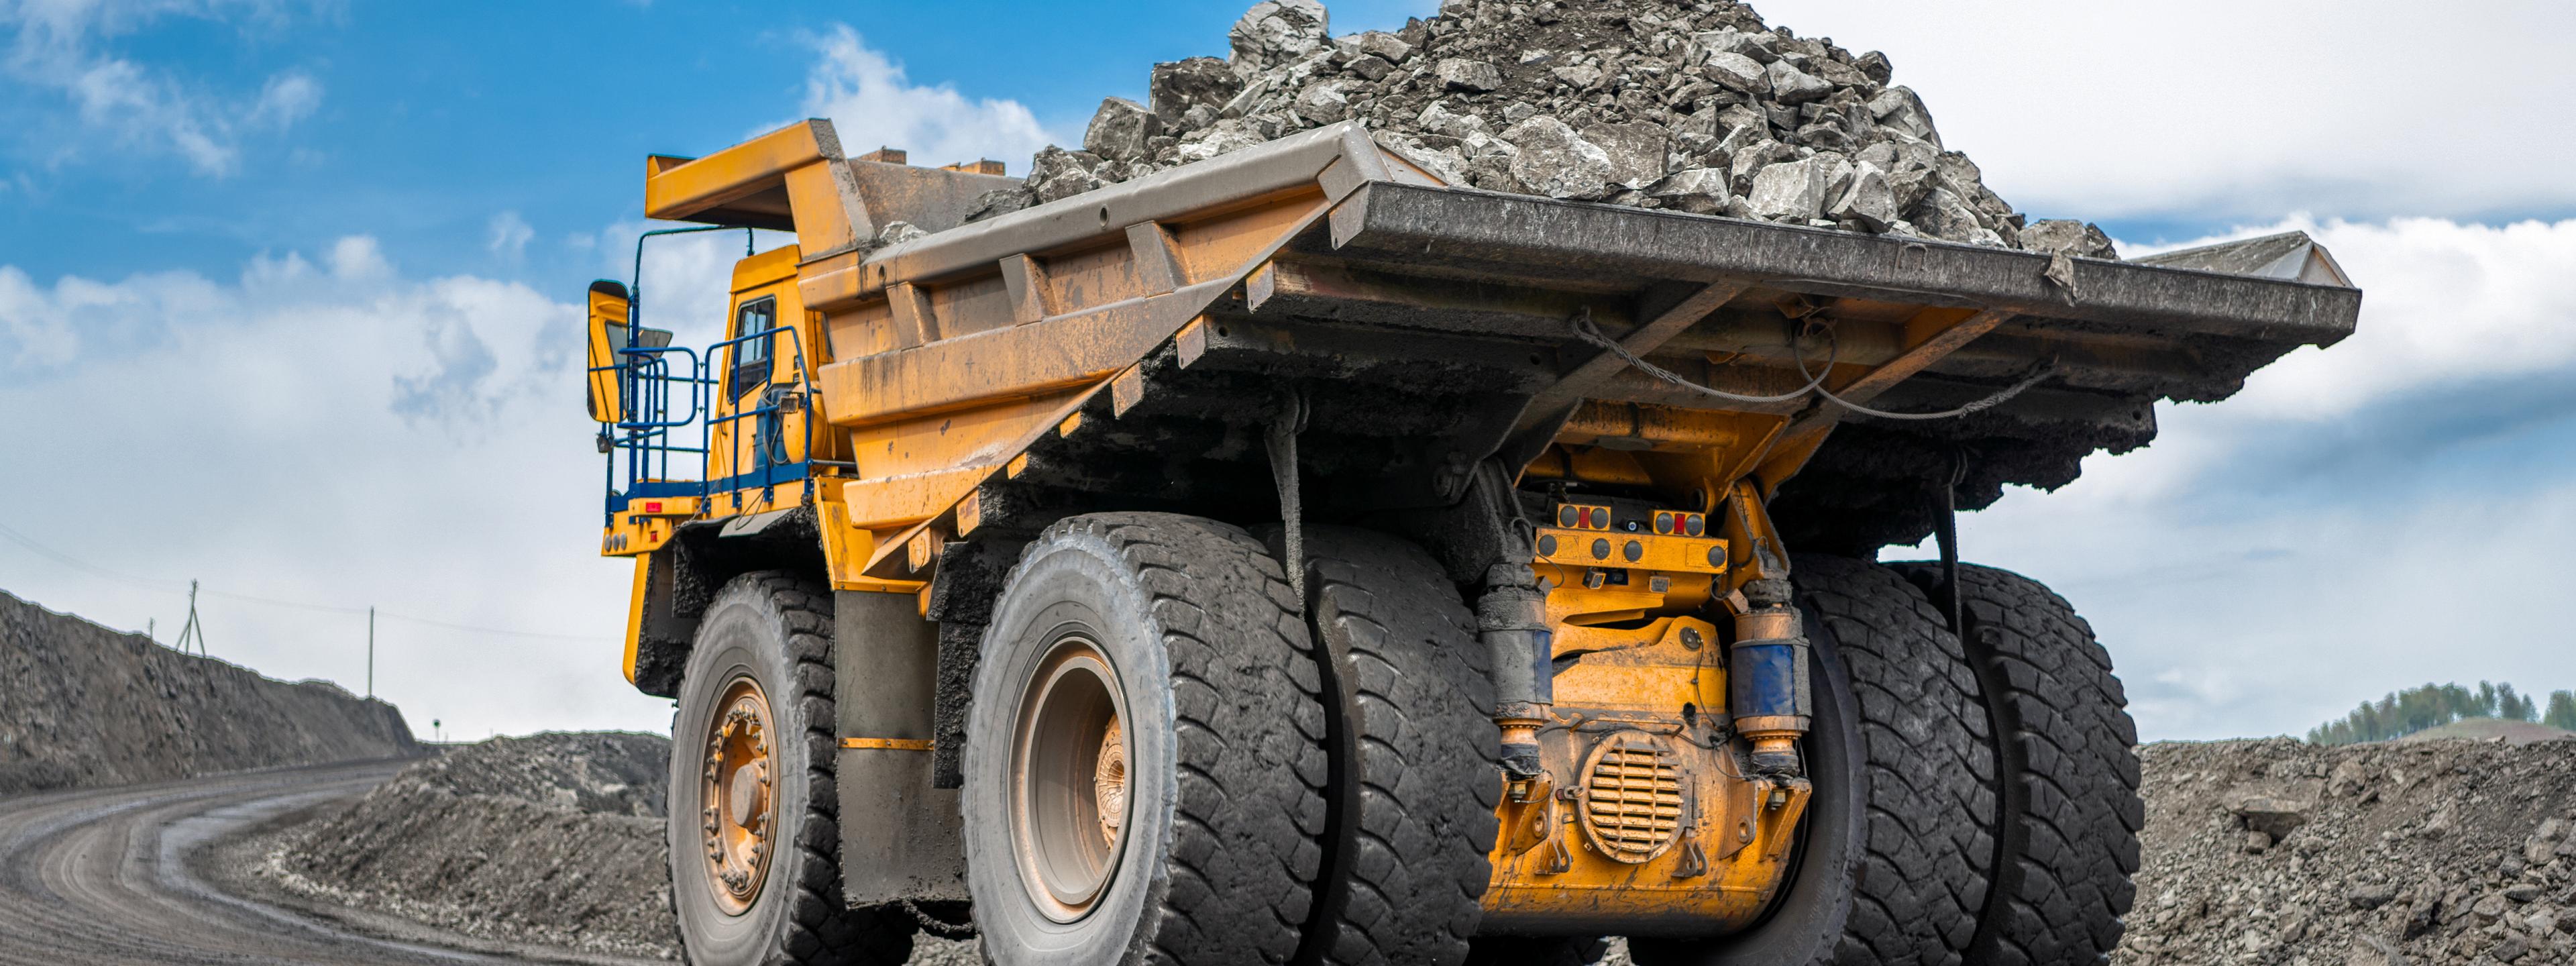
point(750, 367)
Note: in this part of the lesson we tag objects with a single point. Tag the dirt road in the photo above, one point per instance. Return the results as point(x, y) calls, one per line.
point(101, 876)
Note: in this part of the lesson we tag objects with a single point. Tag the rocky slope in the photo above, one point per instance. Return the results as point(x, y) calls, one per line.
point(81, 705)
point(552, 839)
point(2418, 852)
point(1693, 106)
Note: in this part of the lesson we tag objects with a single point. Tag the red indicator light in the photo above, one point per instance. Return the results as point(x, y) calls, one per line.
point(652, 506)
point(1583, 518)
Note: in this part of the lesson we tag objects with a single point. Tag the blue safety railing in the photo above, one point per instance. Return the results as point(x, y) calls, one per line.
point(661, 402)
point(652, 426)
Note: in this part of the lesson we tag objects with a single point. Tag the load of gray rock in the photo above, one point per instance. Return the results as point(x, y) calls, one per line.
point(2431, 852)
point(1695, 107)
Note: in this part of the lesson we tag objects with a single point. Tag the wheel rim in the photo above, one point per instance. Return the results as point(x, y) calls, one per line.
point(1070, 780)
point(738, 786)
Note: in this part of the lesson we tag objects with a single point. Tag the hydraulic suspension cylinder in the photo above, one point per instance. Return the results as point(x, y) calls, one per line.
point(1511, 618)
point(1768, 691)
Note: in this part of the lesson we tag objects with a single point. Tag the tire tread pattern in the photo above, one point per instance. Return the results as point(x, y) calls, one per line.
point(1249, 736)
point(1409, 679)
point(1924, 730)
point(2070, 853)
point(821, 930)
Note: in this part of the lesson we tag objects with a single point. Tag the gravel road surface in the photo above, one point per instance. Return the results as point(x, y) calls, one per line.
point(102, 876)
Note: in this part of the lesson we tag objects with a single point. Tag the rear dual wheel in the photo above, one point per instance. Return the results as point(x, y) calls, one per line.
point(1897, 842)
point(1170, 759)
point(1145, 765)
point(2067, 768)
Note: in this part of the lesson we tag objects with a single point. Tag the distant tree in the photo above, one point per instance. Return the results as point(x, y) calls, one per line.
point(2402, 713)
point(2514, 707)
point(2562, 710)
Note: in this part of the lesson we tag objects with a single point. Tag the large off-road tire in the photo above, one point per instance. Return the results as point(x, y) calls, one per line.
point(756, 700)
point(1412, 740)
point(1145, 762)
point(1897, 841)
point(2067, 758)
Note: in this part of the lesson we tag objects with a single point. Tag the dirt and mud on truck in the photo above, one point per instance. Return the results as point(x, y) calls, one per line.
point(1289, 557)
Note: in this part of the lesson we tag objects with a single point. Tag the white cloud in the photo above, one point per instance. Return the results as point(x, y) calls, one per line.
point(2332, 533)
point(326, 430)
point(2445, 304)
point(872, 104)
point(357, 258)
point(61, 46)
point(2227, 109)
point(509, 235)
point(288, 98)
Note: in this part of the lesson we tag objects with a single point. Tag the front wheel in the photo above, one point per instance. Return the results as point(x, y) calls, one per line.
point(754, 849)
point(1145, 762)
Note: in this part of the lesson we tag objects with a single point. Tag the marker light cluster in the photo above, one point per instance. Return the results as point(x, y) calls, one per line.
point(1579, 517)
point(1671, 522)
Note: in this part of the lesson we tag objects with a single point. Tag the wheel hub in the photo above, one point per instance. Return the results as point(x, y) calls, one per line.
point(737, 824)
point(1109, 784)
point(1069, 781)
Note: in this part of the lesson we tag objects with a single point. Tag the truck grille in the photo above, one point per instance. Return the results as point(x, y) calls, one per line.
point(1632, 797)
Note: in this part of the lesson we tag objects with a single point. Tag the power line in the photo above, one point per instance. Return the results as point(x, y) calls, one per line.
point(24, 541)
point(174, 587)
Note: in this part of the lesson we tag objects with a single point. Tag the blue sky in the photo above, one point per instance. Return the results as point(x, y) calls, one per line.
point(430, 118)
point(287, 304)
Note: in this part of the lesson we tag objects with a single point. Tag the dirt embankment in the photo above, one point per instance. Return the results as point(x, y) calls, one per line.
point(2418, 852)
point(553, 839)
point(82, 705)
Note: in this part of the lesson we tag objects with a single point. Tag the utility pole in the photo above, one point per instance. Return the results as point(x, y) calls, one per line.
point(191, 630)
point(371, 652)
point(149, 626)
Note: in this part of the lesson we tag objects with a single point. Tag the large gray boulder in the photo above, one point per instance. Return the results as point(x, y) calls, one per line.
point(1119, 130)
point(1556, 162)
point(1276, 32)
point(2068, 236)
point(1199, 82)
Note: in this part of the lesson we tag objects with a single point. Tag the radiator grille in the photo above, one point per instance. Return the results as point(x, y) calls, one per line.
point(1632, 797)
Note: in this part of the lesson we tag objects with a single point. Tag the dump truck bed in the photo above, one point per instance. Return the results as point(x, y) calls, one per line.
point(1418, 329)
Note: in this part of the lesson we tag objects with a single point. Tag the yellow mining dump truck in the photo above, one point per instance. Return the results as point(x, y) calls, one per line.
point(1290, 558)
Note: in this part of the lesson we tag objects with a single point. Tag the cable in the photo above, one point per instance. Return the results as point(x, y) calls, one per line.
point(173, 587)
point(1981, 405)
point(24, 541)
point(1589, 332)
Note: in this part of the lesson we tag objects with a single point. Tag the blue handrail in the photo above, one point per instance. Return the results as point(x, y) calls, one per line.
point(644, 433)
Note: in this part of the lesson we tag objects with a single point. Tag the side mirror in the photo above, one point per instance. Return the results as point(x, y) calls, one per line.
point(608, 334)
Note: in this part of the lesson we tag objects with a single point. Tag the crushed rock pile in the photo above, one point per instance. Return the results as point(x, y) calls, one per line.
point(553, 839)
point(2422, 853)
point(82, 705)
point(1696, 107)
